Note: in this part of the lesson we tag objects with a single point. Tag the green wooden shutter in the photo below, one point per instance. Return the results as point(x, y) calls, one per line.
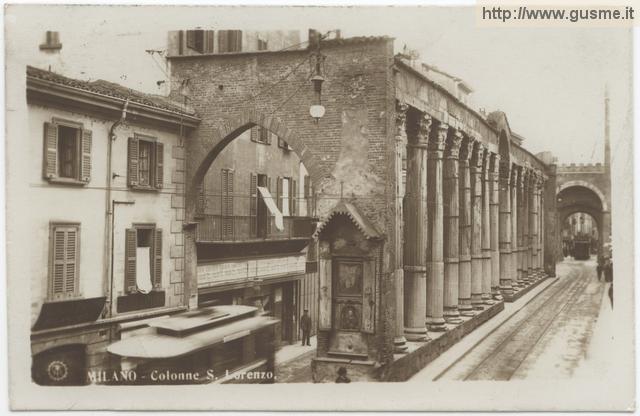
point(50, 159)
point(253, 204)
point(130, 246)
point(86, 156)
point(159, 165)
point(279, 193)
point(157, 259)
point(132, 162)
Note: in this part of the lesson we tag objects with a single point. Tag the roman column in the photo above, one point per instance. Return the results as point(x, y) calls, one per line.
point(399, 341)
point(464, 266)
point(476, 225)
point(523, 225)
point(415, 247)
point(534, 227)
point(494, 193)
point(515, 229)
point(506, 285)
point(530, 220)
point(435, 227)
point(451, 227)
point(486, 230)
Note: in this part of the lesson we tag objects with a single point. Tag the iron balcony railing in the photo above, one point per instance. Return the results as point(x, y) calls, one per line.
point(218, 228)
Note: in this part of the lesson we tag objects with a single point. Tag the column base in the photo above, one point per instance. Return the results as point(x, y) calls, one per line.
point(452, 316)
point(506, 289)
point(416, 334)
point(486, 299)
point(465, 308)
point(495, 293)
point(399, 344)
point(476, 301)
point(436, 324)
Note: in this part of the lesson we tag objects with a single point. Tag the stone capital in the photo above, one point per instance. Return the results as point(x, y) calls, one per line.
point(438, 139)
point(515, 175)
point(425, 123)
point(401, 119)
point(466, 149)
point(478, 153)
point(494, 163)
point(453, 143)
point(505, 170)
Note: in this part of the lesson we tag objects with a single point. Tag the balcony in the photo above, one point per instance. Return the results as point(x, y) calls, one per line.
point(219, 236)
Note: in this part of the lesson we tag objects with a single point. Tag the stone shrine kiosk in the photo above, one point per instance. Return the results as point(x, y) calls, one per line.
point(349, 257)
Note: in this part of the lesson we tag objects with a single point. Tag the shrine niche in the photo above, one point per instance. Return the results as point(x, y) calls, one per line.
point(349, 258)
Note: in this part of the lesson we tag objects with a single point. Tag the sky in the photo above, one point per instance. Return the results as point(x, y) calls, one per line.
point(549, 81)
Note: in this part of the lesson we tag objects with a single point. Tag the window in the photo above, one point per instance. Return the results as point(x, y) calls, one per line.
point(284, 145)
point(263, 44)
point(52, 41)
point(227, 202)
point(259, 215)
point(287, 196)
point(201, 203)
point(229, 41)
point(261, 135)
point(67, 152)
point(64, 261)
point(195, 40)
point(143, 262)
point(145, 163)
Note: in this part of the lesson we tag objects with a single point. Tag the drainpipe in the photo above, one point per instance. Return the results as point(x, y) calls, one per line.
point(108, 246)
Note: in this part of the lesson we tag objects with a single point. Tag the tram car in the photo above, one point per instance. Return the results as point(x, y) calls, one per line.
point(581, 247)
point(218, 344)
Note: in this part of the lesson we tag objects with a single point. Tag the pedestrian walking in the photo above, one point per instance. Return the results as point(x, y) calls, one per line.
point(305, 327)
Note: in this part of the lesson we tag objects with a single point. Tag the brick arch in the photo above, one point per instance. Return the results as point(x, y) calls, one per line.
point(202, 153)
point(585, 184)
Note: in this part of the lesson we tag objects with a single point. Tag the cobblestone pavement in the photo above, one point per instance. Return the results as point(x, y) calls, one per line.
point(547, 339)
point(297, 370)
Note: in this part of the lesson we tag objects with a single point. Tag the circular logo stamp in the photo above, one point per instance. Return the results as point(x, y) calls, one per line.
point(57, 370)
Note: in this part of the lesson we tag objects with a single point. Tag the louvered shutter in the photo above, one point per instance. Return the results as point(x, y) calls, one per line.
point(130, 246)
point(87, 139)
point(132, 162)
point(64, 276)
point(294, 197)
point(157, 259)
point(279, 193)
point(268, 214)
point(222, 41)
point(230, 193)
point(236, 41)
point(254, 134)
point(268, 136)
point(59, 261)
point(223, 201)
point(368, 298)
point(50, 160)
point(253, 204)
point(191, 39)
point(201, 202)
point(209, 41)
point(159, 165)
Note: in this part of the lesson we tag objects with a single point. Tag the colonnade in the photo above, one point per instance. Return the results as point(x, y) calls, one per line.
point(472, 226)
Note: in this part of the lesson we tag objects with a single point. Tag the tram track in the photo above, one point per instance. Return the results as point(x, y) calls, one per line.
point(501, 353)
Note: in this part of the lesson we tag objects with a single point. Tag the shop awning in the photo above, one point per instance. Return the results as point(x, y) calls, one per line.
point(158, 346)
point(272, 207)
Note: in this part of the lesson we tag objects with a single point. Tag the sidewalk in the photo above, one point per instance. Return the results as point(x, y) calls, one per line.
point(293, 362)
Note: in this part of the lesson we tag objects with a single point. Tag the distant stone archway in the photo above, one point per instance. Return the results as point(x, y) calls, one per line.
point(585, 184)
point(582, 197)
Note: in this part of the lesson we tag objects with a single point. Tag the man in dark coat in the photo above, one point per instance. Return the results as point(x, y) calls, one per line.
point(305, 327)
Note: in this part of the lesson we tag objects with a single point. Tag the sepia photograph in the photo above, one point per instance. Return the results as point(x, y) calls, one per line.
point(313, 207)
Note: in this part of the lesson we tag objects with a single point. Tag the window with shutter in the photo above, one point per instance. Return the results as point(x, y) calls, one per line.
point(222, 41)
point(157, 265)
point(229, 41)
point(67, 152)
point(202, 201)
point(279, 193)
point(64, 263)
point(145, 163)
point(227, 203)
point(269, 218)
point(195, 40)
point(253, 204)
point(131, 245)
point(294, 197)
point(209, 41)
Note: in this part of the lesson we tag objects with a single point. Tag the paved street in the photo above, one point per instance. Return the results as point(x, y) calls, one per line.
point(549, 337)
